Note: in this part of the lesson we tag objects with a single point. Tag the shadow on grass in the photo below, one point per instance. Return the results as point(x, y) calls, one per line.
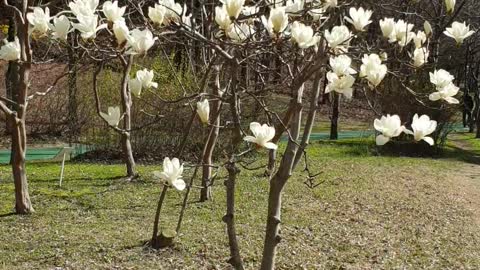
point(7, 214)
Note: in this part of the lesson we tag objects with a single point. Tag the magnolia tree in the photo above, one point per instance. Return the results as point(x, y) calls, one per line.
point(251, 57)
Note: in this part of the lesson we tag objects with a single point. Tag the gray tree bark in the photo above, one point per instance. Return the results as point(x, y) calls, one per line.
point(207, 155)
point(127, 122)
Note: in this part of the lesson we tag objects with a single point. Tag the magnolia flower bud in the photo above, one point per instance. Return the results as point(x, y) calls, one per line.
point(121, 32)
point(428, 28)
point(222, 18)
point(233, 7)
point(387, 25)
point(157, 14)
point(420, 56)
point(277, 21)
point(203, 110)
point(135, 86)
point(450, 5)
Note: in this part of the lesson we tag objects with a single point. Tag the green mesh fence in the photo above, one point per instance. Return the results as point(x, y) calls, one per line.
point(44, 154)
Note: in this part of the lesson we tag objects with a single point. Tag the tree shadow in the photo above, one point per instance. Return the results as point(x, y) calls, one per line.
point(7, 214)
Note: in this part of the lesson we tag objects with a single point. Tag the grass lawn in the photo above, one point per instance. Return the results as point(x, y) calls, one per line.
point(368, 212)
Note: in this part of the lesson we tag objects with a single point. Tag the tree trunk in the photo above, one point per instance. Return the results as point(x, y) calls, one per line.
point(207, 157)
point(318, 87)
point(72, 90)
point(11, 76)
point(23, 204)
point(277, 183)
point(229, 218)
point(334, 118)
point(127, 122)
point(279, 130)
point(155, 237)
point(477, 119)
point(236, 138)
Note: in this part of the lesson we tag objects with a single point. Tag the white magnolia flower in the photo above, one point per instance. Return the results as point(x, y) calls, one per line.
point(274, 3)
point(422, 127)
point(146, 77)
point(373, 69)
point(318, 14)
point(121, 31)
point(113, 116)
point(387, 25)
point(186, 19)
point(384, 56)
point(233, 7)
point(113, 12)
point(441, 78)
point(450, 5)
point(173, 11)
point(406, 39)
point(341, 65)
point(419, 39)
point(390, 126)
point(359, 18)
point(88, 26)
point(240, 32)
point(135, 86)
point(262, 135)
point(10, 51)
point(222, 18)
point(338, 36)
point(420, 56)
point(330, 4)
point(294, 7)
point(459, 32)
point(277, 21)
point(157, 13)
point(446, 93)
point(61, 27)
point(83, 7)
point(250, 10)
point(140, 41)
point(303, 35)
point(203, 110)
point(39, 19)
point(402, 33)
point(428, 28)
point(172, 173)
point(340, 84)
